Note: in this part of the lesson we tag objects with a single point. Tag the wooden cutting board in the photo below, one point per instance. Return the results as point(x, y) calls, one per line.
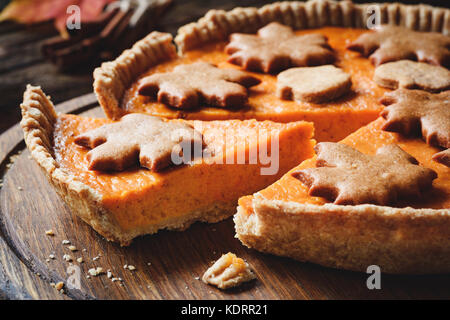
point(168, 265)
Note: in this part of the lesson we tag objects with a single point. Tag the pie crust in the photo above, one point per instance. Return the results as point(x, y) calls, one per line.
point(110, 210)
point(113, 78)
point(406, 240)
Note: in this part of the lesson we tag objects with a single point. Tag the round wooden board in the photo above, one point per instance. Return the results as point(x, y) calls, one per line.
point(168, 265)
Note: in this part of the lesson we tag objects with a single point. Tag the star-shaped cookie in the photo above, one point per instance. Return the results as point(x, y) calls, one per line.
point(137, 138)
point(348, 177)
point(276, 47)
point(392, 43)
point(189, 86)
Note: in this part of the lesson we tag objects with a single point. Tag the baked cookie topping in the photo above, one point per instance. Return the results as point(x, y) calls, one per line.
point(137, 138)
point(313, 84)
point(443, 157)
point(412, 111)
point(391, 43)
point(348, 177)
point(189, 86)
point(412, 75)
point(227, 272)
point(276, 47)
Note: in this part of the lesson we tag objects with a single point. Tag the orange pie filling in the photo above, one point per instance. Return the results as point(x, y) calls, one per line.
point(367, 140)
point(139, 197)
point(332, 121)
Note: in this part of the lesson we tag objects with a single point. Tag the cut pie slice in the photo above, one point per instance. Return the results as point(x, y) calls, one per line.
point(131, 201)
point(411, 236)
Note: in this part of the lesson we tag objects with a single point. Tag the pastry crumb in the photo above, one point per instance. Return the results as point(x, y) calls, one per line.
point(72, 248)
point(227, 272)
point(59, 285)
point(96, 271)
point(49, 233)
point(131, 267)
point(80, 260)
point(64, 242)
point(67, 258)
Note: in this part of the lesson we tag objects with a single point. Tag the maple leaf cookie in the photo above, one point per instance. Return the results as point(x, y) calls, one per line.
point(410, 112)
point(392, 43)
point(188, 86)
point(136, 138)
point(348, 177)
point(276, 47)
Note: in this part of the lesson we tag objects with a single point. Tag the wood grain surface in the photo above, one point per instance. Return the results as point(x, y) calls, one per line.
point(168, 264)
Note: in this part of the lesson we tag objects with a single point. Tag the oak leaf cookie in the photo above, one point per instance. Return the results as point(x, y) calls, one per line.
point(189, 86)
point(137, 138)
point(227, 272)
point(412, 75)
point(410, 112)
point(276, 47)
point(313, 84)
point(392, 43)
point(349, 177)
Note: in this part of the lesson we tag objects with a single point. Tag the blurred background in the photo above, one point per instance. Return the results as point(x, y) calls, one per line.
point(37, 47)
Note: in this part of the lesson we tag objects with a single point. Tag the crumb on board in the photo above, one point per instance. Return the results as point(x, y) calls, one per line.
point(59, 286)
point(49, 233)
point(96, 271)
point(227, 272)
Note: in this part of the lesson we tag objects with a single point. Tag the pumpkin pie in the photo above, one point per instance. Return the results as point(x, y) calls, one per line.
point(118, 84)
point(94, 165)
point(401, 234)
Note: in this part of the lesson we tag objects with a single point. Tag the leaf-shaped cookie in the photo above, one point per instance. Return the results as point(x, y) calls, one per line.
point(187, 86)
point(276, 47)
point(391, 43)
point(137, 138)
point(348, 177)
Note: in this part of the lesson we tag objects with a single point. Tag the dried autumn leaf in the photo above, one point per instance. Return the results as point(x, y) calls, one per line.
point(33, 11)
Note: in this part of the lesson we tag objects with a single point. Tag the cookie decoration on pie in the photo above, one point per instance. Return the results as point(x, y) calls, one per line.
point(188, 86)
point(276, 47)
point(313, 84)
point(137, 138)
point(348, 177)
point(392, 43)
point(412, 75)
point(443, 157)
point(410, 112)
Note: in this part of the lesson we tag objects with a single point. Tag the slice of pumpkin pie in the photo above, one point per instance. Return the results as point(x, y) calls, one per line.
point(375, 198)
point(143, 173)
